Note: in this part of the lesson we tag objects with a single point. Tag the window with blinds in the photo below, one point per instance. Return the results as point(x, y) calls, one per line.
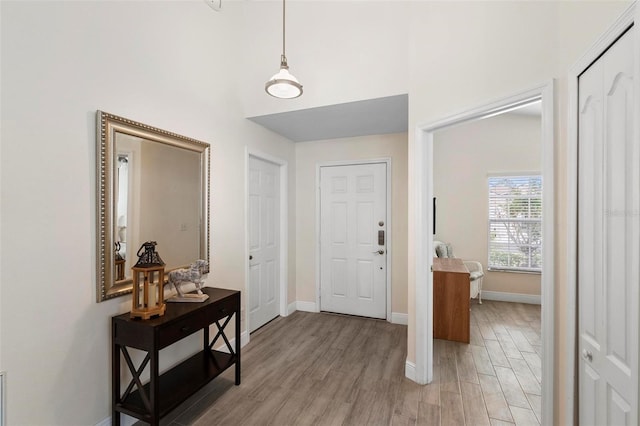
point(515, 223)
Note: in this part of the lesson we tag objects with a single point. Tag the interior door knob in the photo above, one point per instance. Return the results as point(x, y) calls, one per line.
point(587, 355)
point(381, 251)
point(250, 257)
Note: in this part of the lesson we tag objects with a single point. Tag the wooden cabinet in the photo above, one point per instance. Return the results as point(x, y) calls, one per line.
point(450, 300)
point(164, 392)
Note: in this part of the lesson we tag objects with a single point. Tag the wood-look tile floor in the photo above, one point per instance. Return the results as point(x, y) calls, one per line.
point(326, 369)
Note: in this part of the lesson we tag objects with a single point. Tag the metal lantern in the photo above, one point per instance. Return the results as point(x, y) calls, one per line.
point(148, 283)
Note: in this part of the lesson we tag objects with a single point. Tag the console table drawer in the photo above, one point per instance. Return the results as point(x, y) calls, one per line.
point(223, 309)
point(171, 333)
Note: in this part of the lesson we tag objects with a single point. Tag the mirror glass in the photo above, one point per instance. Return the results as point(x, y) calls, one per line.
point(152, 186)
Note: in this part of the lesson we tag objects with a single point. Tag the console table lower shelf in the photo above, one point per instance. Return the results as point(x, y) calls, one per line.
point(164, 392)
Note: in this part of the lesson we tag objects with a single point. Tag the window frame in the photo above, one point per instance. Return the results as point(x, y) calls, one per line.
point(491, 247)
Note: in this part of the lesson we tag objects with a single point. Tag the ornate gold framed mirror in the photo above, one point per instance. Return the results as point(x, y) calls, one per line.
point(152, 185)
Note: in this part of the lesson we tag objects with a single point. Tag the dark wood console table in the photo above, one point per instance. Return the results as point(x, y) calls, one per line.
point(164, 392)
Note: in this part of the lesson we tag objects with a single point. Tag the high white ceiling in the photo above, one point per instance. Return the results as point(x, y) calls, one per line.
point(369, 117)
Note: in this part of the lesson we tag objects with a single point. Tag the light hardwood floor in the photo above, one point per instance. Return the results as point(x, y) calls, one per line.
point(329, 369)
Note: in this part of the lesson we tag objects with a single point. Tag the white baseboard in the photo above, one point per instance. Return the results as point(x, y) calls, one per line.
point(410, 370)
point(124, 421)
point(399, 318)
point(105, 422)
point(292, 308)
point(533, 299)
point(306, 306)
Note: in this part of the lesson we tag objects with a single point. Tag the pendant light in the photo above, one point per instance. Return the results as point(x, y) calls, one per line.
point(283, 85)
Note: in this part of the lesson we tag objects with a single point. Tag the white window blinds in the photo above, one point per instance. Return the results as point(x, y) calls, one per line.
point(515, 223)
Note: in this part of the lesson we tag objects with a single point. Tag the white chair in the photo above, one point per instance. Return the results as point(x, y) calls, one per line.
point(441, 249)
point(476, 274)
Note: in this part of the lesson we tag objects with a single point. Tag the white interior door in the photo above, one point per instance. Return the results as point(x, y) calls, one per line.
point(264, 244)
point(608, 239)
point(353, 224)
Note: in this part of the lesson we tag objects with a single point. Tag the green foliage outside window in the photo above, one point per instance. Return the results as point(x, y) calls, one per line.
point(515, 223)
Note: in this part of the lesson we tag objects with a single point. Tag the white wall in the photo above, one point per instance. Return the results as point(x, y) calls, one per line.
point(341, 51)
point(308, 156)
point(464, 156)
point(166, 64)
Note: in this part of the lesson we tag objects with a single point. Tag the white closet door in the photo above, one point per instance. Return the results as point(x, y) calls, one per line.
point(264, 244)
point(608, 239)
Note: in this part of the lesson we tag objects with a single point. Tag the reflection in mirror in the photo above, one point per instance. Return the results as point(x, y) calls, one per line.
point(153, 186)
point(122, 203)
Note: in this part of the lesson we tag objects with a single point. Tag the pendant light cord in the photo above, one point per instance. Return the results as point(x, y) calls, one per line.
point(284, 56)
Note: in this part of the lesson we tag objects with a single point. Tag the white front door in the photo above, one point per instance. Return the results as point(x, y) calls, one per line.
point(264, 244)
point(608, 239)
point(353, 239)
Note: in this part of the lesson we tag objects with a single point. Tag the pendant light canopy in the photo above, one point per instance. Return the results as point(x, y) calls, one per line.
point(283, 85)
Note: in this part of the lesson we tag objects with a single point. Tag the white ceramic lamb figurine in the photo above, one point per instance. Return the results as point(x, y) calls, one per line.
point(193, 274)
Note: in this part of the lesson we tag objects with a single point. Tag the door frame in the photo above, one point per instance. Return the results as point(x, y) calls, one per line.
point(626, 20)
point(422, 164)
point(283, 166)
point(387, 161)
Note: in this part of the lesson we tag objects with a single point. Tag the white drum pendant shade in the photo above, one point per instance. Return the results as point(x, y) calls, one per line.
point(284, 85)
